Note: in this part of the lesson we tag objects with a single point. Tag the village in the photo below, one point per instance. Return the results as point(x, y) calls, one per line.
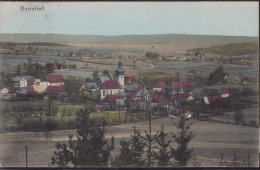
point(125, 94)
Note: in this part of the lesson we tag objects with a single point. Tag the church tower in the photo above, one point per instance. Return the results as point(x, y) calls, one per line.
point(120, 74)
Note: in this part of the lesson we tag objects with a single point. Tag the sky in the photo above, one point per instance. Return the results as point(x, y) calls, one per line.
point(127, 18)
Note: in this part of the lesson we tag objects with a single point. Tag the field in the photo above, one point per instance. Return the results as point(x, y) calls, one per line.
point(210, 140)
point(231, 49)
point(138, 48)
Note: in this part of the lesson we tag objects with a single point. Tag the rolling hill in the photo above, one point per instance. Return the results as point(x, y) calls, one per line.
point(139, 39)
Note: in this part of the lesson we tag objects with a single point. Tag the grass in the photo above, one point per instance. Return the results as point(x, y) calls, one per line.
point(154, 72)
point(231, 49)
point(110, 117)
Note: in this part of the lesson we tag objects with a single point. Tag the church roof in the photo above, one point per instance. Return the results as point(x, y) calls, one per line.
point(120, 70)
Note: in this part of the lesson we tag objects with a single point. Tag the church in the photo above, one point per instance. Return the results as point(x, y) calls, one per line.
point(111, 87)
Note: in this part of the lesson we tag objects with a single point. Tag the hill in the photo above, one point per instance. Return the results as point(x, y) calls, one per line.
point(231, 49)
point(146, 39)
point(2, 44)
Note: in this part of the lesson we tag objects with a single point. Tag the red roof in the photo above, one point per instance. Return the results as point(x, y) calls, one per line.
point(182, 111)
point(54, 90)
point(55, 78)
point(111, 84)
point(11, 89)
point(157, 98)
point(130, 78)
point(112, 98)
point(160, 84)
point(181, 84)
point(250, 79)
point(214, 101)
point(30, 91)
point(182, 95)
point(1, 87)
point(79, 86)
point(224, 91)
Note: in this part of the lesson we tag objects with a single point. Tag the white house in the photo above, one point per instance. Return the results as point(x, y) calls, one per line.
point(21, 81)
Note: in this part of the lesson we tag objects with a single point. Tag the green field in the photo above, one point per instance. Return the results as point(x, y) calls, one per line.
point(205, 69)
point(231, 49)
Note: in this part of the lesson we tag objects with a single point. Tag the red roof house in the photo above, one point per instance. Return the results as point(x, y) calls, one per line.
point(181, 84)
point(130, 79)
point(55, 78)
point(11, 89)
point(160, 84)
point(111, 84)
point(112, 98)
point(54, 90)
point(249, 79)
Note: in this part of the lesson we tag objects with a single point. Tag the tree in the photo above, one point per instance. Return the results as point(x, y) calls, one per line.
point(95, 74)
point(152, 55)
point(89, 149)
point(182, 154)
point(164, 154)
point(131, 152)
point(106, 73)
point(216, 76)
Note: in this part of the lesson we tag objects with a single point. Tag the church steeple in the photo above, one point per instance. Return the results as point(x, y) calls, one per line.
point(120, 74)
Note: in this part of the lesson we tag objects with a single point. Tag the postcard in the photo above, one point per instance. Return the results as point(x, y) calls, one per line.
point(129, 84)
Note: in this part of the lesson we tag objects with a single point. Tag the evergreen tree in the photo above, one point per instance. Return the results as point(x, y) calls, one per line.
point(90, 148)
point(95, 74)
point(131, 152)
point(106, 73)
point(164, 154)
point(182, 154)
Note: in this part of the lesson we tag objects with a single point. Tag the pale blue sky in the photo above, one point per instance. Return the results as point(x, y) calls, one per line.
point(120, 18)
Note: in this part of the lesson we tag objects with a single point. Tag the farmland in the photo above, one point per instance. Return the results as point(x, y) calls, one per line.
point(211, 139)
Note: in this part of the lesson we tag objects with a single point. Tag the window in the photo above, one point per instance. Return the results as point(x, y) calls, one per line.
point(104, 93)
point(110, 91)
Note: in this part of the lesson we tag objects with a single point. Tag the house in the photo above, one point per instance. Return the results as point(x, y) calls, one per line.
point(131, 87)
point(26, 91)
point(21, 81)
point(180, 85)
point(88, 86)
point(55, 80)
point(224, 92)
point(139, 94)
point(111, 102)
point(213, 101)
point(129, 79)
point(3, 91)
point(249, 79)
point(160, 85)
point(58, 91)
point(101, 79)
point(110, 87)
point(40, 86)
